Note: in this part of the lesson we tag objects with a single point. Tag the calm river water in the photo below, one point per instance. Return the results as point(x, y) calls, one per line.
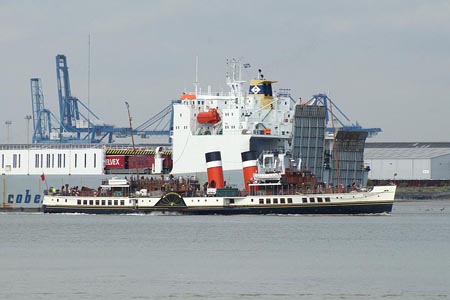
point(405, 255)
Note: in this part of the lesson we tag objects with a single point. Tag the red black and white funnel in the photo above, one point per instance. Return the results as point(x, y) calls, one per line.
point(249, 167)
point(215, 171)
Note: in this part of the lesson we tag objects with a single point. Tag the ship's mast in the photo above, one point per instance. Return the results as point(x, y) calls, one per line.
point(234, 80)
point(196, 76)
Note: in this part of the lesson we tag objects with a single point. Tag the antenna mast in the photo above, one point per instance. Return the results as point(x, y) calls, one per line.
point(196, 75)
point(89, 87)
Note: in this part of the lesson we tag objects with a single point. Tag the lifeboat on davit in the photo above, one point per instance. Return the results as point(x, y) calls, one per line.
point(185, 96)
point(211, 116)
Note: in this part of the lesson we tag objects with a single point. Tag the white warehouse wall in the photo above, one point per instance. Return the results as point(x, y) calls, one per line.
point(406, 169)
point(440, 167)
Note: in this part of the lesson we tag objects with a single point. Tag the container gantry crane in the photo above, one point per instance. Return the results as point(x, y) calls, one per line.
point(77, 123)
point(42, 117)
point(72, 120)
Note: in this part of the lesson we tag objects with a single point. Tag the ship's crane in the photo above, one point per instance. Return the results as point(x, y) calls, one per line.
point(339, 117)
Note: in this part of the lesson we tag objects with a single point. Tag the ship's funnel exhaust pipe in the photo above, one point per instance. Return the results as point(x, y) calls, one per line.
point(215, 171)
point(249, 168)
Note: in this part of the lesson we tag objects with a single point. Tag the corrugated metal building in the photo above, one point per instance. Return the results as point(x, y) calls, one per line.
point(408, 161)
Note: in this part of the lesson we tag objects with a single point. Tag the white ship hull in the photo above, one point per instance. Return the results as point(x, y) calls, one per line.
point(379, 200)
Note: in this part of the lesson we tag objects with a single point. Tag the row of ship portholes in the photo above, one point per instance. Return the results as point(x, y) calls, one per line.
point(289, 200)
point(99, 202)
point(275, 201)
point(103, 202)
point(206, 200)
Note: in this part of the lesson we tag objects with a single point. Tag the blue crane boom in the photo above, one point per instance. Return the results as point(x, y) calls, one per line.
point(339, 117)
point(71, 119)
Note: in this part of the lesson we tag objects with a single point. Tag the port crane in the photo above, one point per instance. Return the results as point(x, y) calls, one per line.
point(77, 122)
point(335, 114)
point(72, 119)
point(41, 116)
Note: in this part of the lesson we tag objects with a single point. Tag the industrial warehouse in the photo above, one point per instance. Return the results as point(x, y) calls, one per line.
point(408, 161)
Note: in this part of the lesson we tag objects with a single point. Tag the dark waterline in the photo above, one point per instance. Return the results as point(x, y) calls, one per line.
point(405, 255)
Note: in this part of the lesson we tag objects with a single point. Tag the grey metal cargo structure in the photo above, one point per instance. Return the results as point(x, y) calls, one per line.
point(336, 160)
point(347, 159)
point(308, 143)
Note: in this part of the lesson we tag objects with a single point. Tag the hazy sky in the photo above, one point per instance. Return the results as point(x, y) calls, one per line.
point(385, 63)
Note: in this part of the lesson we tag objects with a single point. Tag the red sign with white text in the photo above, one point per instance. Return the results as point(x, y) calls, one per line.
point(115, 162)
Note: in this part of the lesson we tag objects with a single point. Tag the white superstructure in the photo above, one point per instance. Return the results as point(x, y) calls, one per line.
point(231, 122)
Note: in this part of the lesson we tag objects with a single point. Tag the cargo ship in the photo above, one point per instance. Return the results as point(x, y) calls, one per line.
point(258, 118)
